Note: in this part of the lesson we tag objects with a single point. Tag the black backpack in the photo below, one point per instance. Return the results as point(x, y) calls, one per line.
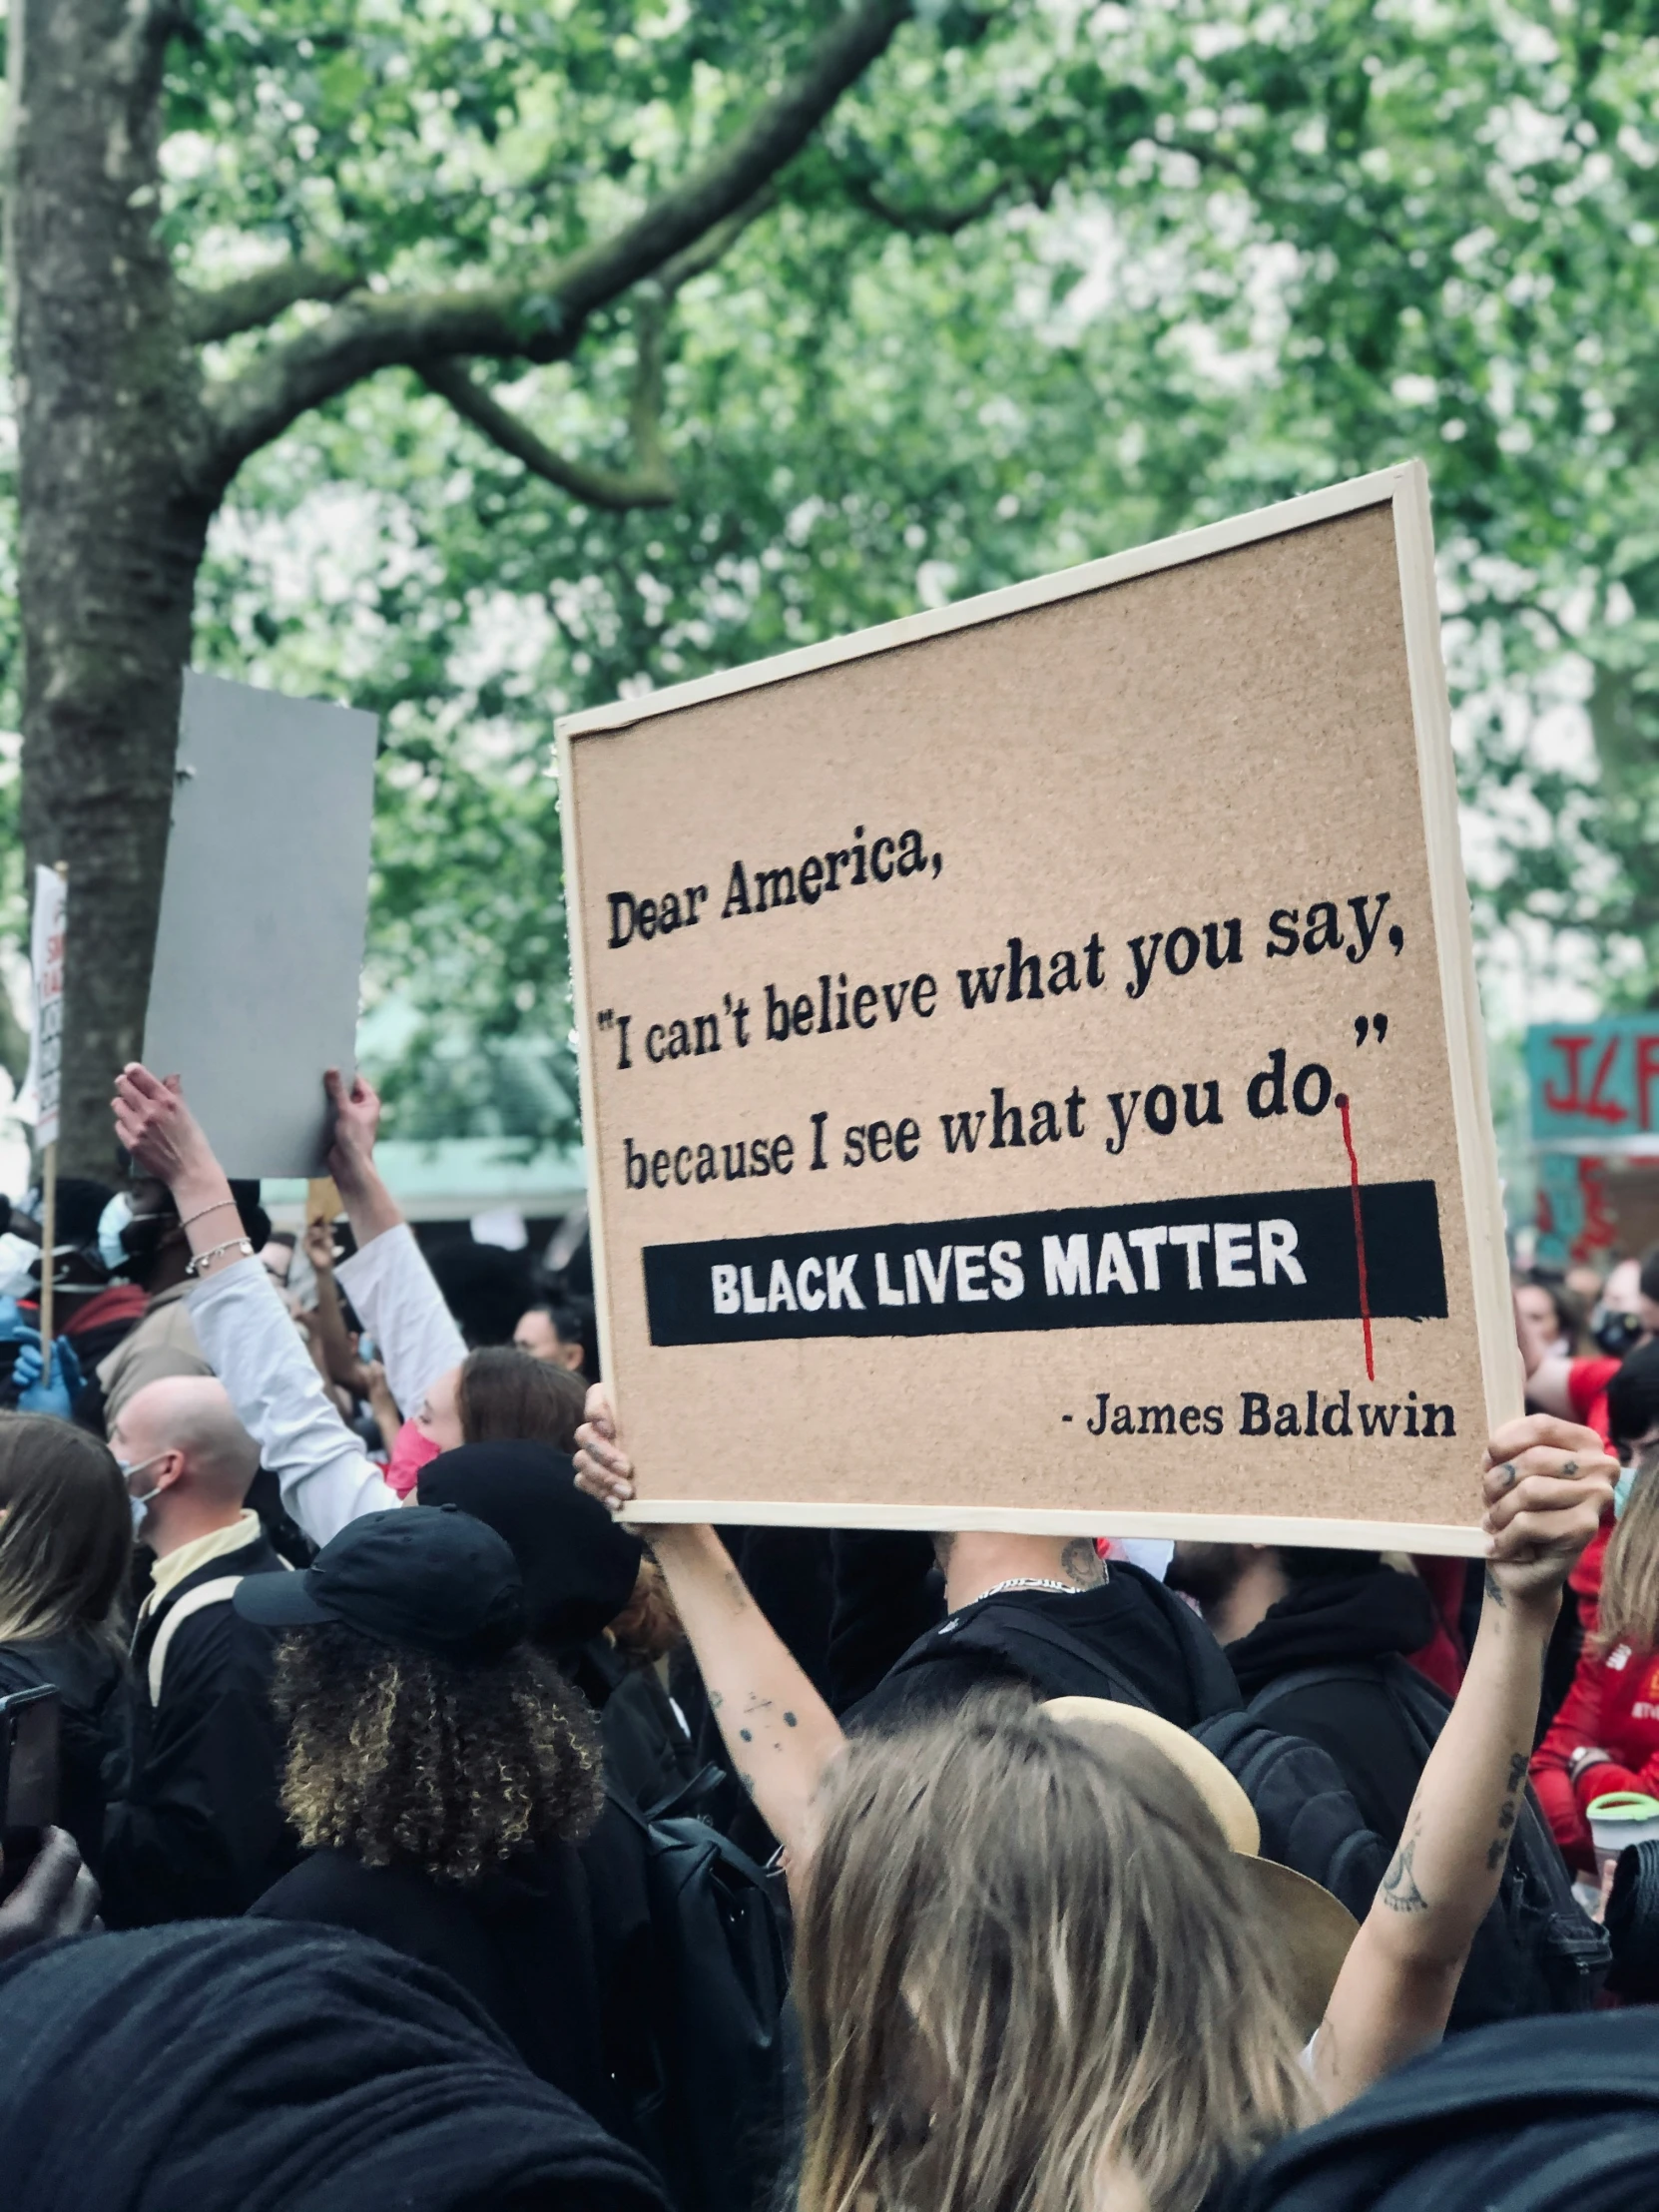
point(1309, 1820)
point(1537, 1949)
point(1534, 2116)
point(713, 2102)
point(1304, 1808)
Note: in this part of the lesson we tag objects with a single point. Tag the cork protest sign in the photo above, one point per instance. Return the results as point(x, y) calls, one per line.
point(1031, 1062)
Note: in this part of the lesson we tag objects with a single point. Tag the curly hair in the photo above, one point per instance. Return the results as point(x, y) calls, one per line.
point(405, 1759)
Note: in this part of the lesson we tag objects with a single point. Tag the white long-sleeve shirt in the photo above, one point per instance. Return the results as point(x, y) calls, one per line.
point(327, 1478)
point(398, 1303)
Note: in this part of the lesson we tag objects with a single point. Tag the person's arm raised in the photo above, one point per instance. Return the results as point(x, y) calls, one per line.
point(243, 1327)
point(1546, 1483)
point(369, 1206)
point(154, 1124)
point(779, 1731)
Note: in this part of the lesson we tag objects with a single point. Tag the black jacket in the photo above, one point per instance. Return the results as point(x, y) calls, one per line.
point(244, 2066)
point(520, 1943)
point(202, 1831)
point(1130, 1638)
point(95, 1720)
point(1368, 1617)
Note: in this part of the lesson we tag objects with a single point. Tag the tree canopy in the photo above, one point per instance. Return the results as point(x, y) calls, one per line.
point(1049, 280)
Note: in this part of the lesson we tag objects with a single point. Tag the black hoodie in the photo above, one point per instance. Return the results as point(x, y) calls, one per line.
point(1367, 1621)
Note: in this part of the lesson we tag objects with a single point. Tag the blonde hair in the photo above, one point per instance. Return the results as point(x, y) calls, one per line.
point(1628, 1606)
point(1028, 1980)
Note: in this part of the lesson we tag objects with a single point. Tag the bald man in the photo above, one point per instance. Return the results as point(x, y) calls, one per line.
point(200, 1831)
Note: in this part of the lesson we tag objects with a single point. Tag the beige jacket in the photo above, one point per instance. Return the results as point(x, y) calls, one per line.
point(164, 1342)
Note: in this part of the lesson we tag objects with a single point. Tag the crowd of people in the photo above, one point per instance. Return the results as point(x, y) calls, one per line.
point(428, 1836)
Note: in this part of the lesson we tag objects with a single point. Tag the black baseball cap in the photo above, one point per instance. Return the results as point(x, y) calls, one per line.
point(428, 1578)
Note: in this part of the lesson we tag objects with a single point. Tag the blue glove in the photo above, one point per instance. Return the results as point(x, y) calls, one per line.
point(13, 1327)
point(55, 1397)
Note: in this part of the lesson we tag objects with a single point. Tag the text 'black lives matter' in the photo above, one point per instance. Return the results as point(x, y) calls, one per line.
point(1264, 1256)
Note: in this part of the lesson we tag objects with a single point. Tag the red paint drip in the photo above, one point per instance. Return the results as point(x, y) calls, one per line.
point(1358, 1234)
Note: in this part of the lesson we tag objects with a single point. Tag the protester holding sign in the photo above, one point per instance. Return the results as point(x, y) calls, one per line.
point(1545, 1485)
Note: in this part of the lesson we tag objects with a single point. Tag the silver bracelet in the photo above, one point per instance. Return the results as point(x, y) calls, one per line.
point(218, 1206)
point(232, 1244)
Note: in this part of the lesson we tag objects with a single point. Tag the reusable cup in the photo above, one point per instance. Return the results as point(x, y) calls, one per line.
point(1621, 1817)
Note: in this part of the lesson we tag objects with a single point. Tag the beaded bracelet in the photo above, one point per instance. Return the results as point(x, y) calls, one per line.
point(232, 1244)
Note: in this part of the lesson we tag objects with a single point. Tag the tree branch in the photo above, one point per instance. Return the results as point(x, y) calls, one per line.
point(650, 483)
point(543, 320)
point(252, 301)
point(926, 222)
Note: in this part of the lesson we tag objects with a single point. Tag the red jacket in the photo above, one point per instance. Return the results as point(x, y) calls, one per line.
point(1613, 1706)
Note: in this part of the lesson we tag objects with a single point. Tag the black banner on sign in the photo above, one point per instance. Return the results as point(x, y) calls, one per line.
point(1264, 1256)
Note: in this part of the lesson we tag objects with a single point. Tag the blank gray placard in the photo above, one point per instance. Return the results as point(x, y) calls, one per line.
point(254, 992)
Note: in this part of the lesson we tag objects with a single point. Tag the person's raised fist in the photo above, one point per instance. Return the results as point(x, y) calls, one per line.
point(1547, 1485)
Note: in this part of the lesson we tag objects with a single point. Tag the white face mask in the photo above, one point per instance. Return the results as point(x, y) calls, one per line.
point(140, 1505)
point(111, 1222)
point(19, 1265)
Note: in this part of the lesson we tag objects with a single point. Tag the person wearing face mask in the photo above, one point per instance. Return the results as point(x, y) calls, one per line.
point(1625, 1316)
point(201, 1830)
point(94, 1310)
point(65, 1545)
point(1605, 1735)
point(141, 1237)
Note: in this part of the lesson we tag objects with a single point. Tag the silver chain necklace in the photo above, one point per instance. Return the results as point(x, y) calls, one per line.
point(1027, 1582)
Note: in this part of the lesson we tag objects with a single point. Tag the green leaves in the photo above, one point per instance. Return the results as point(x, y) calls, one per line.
point(1048, 282)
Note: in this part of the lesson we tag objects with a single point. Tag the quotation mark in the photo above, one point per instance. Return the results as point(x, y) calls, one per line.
point(605, 1020)
point(1365, 1026)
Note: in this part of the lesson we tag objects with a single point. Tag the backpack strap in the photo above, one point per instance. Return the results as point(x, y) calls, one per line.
point(1009, 1630)
point(1420, 1707)
point(218, 1593)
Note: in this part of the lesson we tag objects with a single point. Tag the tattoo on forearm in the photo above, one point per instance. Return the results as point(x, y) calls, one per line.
point(1506, 1810)
point(1400, 1892)
point(1494, 1590)
point(1082, 1564)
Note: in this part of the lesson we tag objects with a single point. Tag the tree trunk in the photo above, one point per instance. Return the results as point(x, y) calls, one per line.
point(111, 531)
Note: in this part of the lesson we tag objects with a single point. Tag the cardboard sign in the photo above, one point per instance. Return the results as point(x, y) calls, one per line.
point(254, 992)
point(1593, 1086)
point(46, 949)
point(1031, 1059)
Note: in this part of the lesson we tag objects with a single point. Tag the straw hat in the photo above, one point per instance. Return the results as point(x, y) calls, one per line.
point(1309, 1929)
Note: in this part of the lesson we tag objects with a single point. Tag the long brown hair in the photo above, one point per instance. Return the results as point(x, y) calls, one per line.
point(66, 1534)
point(504, 1393)
point(1028, 1980)
point(406, 1759)
point(1628, 1607)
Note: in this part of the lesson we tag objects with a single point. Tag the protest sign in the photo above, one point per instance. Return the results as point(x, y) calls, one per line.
point(46, 948)
point(254, 992)
point(1032, 1061)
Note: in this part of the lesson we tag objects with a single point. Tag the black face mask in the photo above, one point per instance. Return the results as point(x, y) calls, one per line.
point(1616, 1334)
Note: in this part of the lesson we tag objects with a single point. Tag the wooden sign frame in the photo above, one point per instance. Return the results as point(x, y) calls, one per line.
point(1478, 1235)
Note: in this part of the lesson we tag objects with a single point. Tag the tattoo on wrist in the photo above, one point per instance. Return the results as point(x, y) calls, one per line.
point(1495, 1591)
